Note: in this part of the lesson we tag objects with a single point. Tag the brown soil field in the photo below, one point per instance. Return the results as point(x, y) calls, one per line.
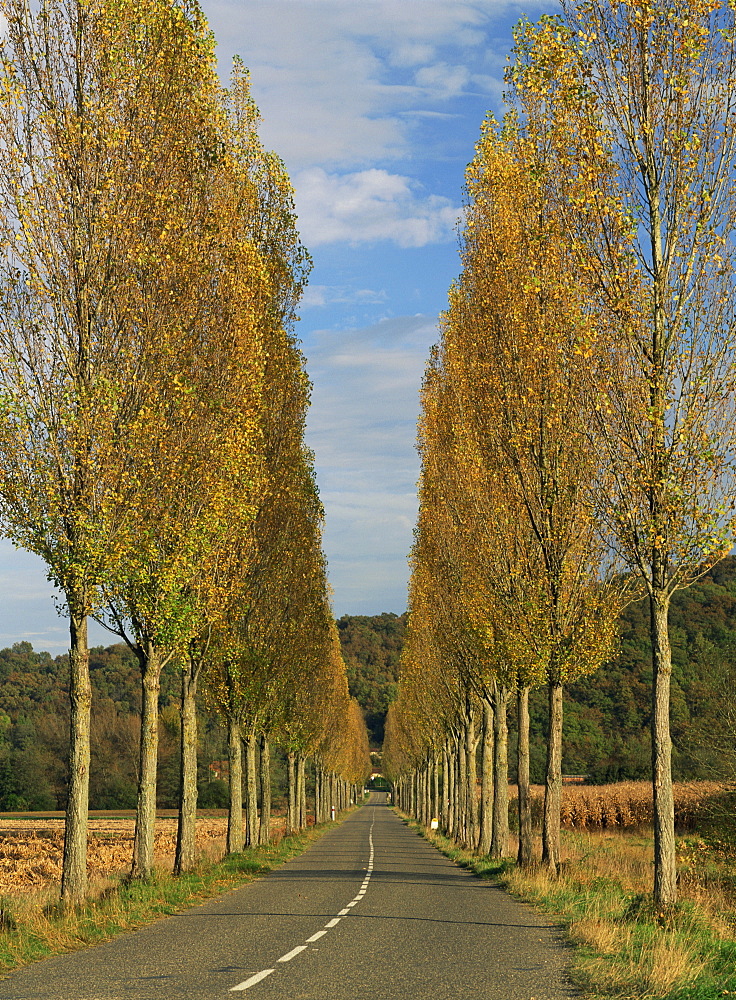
point(31, 846)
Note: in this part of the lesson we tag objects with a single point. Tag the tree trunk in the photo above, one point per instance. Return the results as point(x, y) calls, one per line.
point(265, 830)
point(500, 834)
point(251, 811)
point(486, 780)
point(665, 871)
point(291, 794)
point(74, 867)
point(436, 804)
point(445, 790)
point(451, 796)
point(301, 801)
point(145, 817)
point(472, 778)
point(525, 854)
point(461, 794)
point(234, 843)
point(186, 856)
point(319, 793)
point(553, 786)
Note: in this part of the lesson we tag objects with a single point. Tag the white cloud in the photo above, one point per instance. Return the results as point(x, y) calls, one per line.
point(327, 295)
point(331, 77)
point(442, 80)
point(368, 206)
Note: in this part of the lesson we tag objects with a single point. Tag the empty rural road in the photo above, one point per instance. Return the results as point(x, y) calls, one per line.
point(370, 912)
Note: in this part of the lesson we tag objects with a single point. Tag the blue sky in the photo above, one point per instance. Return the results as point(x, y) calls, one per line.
point(375, 107)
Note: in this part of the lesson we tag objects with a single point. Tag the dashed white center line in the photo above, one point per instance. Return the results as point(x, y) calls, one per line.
point(259, 976)
point(253, 980)
point(292, 954)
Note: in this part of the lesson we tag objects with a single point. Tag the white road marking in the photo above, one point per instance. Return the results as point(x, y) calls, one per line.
point(253, 980)
point(259, 976)
point(292, 954)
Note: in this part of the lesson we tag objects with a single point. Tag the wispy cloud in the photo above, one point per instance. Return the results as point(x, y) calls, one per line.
point(362, 427)
point(331, 77)
point(369, 206)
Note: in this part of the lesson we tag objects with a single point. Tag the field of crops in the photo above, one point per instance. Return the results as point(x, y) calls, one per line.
point(628, 804)
point(31, 847)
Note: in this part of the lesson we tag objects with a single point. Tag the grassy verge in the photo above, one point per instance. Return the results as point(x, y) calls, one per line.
point(34, 927)
point(624, 950)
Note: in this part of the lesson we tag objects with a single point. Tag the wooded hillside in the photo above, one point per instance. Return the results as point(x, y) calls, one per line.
point(607, 715)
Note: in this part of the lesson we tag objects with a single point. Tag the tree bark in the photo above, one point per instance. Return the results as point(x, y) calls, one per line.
point(445, 790)
point(452, 796)
point(553, 786)
point(251, 810)
point(301, 800)
point(186, 836)
point(265, 829)
point(461, 793)
point(290, 794)
point(145, 818)
point(486, 780)
point(525, 853)
point(74, 865)
point(234, 843)
point(500, 834)
point(665, 871)
point(471, 833)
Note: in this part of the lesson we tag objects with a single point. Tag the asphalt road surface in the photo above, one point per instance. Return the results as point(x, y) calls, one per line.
point(370, 912)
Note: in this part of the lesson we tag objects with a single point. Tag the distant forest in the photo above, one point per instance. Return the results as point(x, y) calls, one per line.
point(606, 715)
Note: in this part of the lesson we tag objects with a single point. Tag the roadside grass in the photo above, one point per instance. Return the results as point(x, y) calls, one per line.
point(624, 950)
point(36, 926)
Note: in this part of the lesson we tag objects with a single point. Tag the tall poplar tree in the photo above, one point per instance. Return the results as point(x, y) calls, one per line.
point(647, 91)
point(89, 113)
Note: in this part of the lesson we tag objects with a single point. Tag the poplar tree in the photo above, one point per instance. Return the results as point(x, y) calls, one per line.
point(91, 115)
point(647, 93)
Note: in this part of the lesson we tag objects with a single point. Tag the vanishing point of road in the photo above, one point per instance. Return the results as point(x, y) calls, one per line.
point(370, 912)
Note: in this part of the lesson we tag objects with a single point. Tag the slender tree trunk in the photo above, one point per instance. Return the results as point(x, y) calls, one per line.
point(186, 836)
point(500, 835)
point(74, 866)
point(472, 778)
point(265, 830)
point(234, 843)
point(290, 794)
point(486, 780)
point(251, 813)
point(525, 855)
point(553, 787)
point(665, 871)
point(145, 817)
point(436, 804)
point(443, 816)
point(319, 793)
point(462, 793)
point(452, 788)
point(301, 798)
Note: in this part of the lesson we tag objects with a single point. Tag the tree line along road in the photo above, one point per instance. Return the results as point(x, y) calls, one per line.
point(370, 912)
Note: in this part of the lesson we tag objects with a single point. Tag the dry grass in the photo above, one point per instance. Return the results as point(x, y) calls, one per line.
point(603, 894)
